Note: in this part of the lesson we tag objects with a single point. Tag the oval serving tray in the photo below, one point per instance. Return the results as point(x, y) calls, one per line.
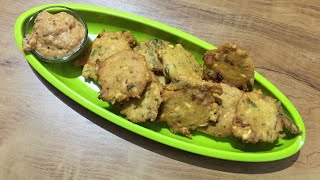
point(69, 81)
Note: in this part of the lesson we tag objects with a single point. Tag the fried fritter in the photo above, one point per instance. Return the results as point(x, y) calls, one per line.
point(149, 50)
point(144, 108)
point(178, 63)
point(122, 75)
point(258, 119)
point(230, 65)
point(288, 124)
point(226, 112)
point(188, 108)
point(105, 45)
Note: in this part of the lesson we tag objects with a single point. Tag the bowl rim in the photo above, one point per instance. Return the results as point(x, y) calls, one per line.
point(68, 57)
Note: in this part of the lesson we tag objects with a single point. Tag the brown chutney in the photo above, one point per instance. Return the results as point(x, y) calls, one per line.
point(54, 35)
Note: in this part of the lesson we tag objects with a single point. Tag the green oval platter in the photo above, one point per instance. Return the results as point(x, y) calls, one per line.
point(69, 81)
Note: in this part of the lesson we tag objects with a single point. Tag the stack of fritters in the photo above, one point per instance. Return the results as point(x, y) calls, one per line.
point(155, 80)
point(188, 101)
point(226, 112)
point(124, 69)
point(105, 45)
point(146, 107)
point(250, 116)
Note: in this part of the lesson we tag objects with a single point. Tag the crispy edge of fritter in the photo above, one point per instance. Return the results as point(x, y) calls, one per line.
point(139, 84)
point(187, 82)
point(240, 66)
point(287, 123)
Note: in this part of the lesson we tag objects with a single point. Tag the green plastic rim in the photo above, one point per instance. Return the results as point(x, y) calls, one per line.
point(173, 142)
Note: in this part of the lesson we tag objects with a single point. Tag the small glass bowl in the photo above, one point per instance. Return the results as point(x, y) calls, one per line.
point(56, 9)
